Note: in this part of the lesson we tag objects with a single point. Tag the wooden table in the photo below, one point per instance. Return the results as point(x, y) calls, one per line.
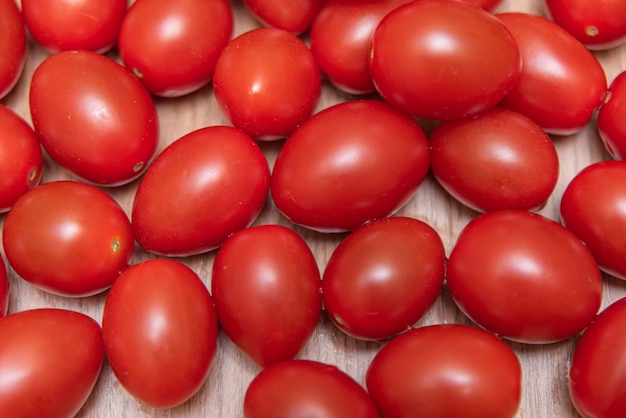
point(544, 366)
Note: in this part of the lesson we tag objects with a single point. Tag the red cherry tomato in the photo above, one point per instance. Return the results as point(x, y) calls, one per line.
point(4, 289)
point(611, 120)
point(446, 371)
point(12, 44)
point(160, 332)
point(349, 164)
point(50, 360)
point(266, 287)
point(68, 238)
point(383, 277)
point(293, 16)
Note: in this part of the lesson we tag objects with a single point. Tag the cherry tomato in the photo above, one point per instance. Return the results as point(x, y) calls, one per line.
point(524, 277)
point(68, 238)
point(93, 117)
point(50, 360)
point(160, 332)
point(383, 277)
point(199, 190)
point(443, 59)
point(4, 289)
point(442, 371)
point(349, 164)
point(266, 286)
point(293, 16)
point(499, 159)
point(12, 44)
point(611, 121)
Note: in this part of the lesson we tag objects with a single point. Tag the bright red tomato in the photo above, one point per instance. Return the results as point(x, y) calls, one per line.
point(524, 277)
point(293, 16)
point(266, 286)
point(443, 59)
point(50, 360)
point(160, 332)
point(4, 289)
point(611, 120)
point(68, 238)
point(444, 371)
point(499, 159)
point(349, 164)
point(12, 44)
point(383, 277)
point(199, 190)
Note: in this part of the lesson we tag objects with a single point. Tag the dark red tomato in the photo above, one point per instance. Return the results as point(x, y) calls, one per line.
point(499, 159)
point(266, 286)
point(267, 82)
point(443, 59)
point(173, 46)
point(12, 44)
point(199, 190)
point(4, 289)
point(611, 121)
point(50, 360)
point(349, 164)
point(305, 388)
point(383, 277)
point(562, 83)
point(485, 4)
point(68, 238)
point(293, 16)
point(21, 158)
point(524, 277)
point(160, 332)
point(446, 371)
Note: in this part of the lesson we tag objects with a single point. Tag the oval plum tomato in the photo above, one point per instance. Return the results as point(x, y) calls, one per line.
point(383, 277)
point(524, 277)
point(266, 286)
point(68, 238)
point(4, 289)
point(267, 82)
point(306, 388)
point(173, 46)
point(349, 164)
point(611, 121)
point(562, 82)
point(160, 332)
point(12, 44)
point(423, 54)
point(200, 189)
point(50, 360)
point(21, 158)
point(293, 16)
point(499, 159)
point(442, 371)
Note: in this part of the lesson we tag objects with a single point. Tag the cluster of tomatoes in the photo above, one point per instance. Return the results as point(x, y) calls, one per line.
point(441, 87)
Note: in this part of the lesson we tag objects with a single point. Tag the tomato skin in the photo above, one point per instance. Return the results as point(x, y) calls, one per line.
point(68, 238)
point(50, 360)
point(266, 286)
point(12, 44)
point(447, 371)
point(611, 122)
point(5, 289)
point(294, 17)
point(383, 277)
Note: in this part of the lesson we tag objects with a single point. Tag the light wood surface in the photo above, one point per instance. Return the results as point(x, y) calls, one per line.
point(544, 366)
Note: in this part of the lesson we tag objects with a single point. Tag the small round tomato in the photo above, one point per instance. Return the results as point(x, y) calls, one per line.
point(68, 238)
point(12, 44)
point(442, 371)
point(4, 289)
point(293, 16)
point(611, 121)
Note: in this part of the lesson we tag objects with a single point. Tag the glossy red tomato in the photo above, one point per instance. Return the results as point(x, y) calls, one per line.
point(4, 289)
point(160, 332)
point(349, 164)
point(443, 59)
point(68, 238)
point(293, 16)
point(611, 121)
point(499, 159)
point(267, 82)
point(266, 286)
point(445, 371)
point(173, 46)
point(50, 360)
point(305, 388)
point(12, 44)
point(562, 83)
point(383, 277)
point(524, 277)
point(199, 190)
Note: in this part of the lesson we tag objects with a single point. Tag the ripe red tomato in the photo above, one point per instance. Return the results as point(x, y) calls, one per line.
point(349, 164)
point(611, 121)
point(4, 289)
point(293, 16)
point(266, 286)
point(443, 59)
point(442, 371)
point(499, 159)
point(199, 190)
point(160, 332)
point(306, 388)
point(50, 360)
point(12, 44)
point(524, 277)
point(68, 238)
point(93, 117)
point(383, 277)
